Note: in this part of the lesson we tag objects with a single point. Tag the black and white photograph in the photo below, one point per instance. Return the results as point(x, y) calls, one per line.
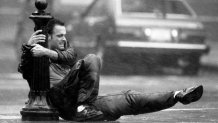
point(116, 61)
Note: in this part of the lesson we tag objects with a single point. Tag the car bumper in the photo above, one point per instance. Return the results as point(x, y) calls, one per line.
point(157, 47)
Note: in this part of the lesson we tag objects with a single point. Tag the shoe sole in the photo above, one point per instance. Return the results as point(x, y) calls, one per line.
point(194, 95)
point(96, 117)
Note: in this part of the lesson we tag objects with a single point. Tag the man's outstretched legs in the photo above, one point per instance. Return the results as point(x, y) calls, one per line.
point(133, 103)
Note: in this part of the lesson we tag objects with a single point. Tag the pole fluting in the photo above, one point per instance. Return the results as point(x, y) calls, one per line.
point(38, 108)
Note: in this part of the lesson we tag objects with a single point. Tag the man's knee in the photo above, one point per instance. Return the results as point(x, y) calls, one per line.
point(93, 61)
point(92, 57)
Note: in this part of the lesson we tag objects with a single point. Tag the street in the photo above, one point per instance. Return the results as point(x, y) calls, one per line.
point(14, 90)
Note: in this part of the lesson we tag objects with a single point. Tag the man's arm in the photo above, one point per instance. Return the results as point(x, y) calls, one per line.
point(53, 55)
point(24, 66)
point(39, 51)
point(67, 57)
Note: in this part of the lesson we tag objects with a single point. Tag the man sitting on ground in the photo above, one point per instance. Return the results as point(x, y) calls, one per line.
point(75, 83)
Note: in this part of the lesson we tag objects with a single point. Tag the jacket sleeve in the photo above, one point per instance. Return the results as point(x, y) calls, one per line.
point(67, 57)
point(25, 66)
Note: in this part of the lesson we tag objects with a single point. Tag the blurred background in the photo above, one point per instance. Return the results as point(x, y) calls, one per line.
point(119, 36)
point(16, 28)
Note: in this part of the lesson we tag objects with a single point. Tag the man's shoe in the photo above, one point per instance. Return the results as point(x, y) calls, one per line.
point(88, 113)
point(189, 95)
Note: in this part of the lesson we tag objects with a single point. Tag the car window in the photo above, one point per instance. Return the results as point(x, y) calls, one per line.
point(154, 7)
point(176, 7)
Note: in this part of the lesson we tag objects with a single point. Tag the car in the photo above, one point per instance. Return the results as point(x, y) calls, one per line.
point(166, 31)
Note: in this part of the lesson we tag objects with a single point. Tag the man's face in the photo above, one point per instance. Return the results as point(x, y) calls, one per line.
point(57, 40)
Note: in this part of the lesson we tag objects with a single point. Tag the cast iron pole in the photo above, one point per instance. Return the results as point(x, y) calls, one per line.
point(38, 107)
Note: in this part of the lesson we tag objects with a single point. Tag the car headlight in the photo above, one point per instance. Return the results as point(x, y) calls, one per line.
point(147, 32)
point(175, 35)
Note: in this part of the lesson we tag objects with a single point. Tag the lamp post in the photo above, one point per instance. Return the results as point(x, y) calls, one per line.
point(38, 107)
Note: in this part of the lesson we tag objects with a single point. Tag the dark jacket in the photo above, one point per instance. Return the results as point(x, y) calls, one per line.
point(67, 57)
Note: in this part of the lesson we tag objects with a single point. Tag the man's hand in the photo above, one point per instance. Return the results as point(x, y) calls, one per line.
point(38, 50)
point(36, 38)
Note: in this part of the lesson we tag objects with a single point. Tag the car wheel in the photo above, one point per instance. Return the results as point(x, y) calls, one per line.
point(192, 65)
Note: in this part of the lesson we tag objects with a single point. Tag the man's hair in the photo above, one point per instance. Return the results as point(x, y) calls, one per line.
point(51, 24)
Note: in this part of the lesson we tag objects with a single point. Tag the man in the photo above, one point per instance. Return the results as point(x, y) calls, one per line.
point(75, 84)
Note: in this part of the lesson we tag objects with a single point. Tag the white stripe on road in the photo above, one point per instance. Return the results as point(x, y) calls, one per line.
point(191, 109)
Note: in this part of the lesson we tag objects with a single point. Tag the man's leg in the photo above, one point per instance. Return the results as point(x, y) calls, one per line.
point(133, 103)
point(64, 94)
point(79, 87)
point(88, 90)
point(89, 79)
point(83, 80)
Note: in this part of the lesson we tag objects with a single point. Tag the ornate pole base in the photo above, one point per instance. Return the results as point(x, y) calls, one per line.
point(38, 108)
point(39, 115)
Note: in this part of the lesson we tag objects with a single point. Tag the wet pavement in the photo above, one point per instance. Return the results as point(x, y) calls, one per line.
point(14, 90)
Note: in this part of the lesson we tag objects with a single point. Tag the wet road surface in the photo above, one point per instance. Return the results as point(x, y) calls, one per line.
point(14, 90)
